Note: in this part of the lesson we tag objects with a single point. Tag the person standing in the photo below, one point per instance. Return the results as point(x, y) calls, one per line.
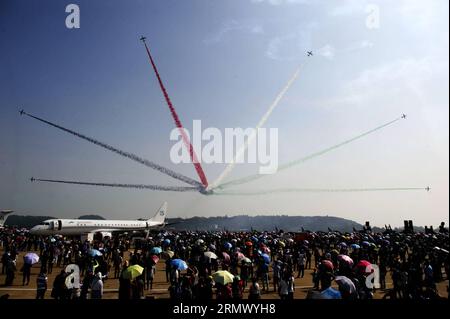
point(41, 285)
point(97, 287)
point(301, 265)
point(26, 270)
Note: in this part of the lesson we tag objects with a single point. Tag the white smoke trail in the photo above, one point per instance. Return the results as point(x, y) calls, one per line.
point(251, 178)
point(132, 156)
point(250, 139)
point(121, 185)
point(316, 190)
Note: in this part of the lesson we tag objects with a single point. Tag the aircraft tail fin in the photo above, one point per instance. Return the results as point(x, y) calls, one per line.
point(3, 215)
point(160, 215)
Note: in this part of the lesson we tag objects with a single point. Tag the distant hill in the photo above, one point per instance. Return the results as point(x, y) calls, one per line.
point(232, 223)
point(25, 221)
point(269, 223)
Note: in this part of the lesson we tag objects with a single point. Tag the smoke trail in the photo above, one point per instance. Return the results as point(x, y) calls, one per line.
point(136, 186)
point(316, 190)
point(306, 158)
point(122, 153)
point(175, 117)
point(250, 139)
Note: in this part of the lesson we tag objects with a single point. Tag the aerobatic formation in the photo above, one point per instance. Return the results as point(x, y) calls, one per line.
point(217, 187)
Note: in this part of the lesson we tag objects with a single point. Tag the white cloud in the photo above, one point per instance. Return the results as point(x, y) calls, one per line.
point(233, 25)
point(327, 51)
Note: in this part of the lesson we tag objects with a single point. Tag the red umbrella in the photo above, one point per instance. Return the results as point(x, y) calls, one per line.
point(249, 243)
point(155, 259)
point(328, 264)
point(364, 267)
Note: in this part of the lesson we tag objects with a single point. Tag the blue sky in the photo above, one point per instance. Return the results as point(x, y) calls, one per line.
point(224, 62)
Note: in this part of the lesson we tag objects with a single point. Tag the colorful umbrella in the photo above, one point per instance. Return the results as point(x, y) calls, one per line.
point(346, 259)
point(31, 258)
point(156, 250)
point(223, 277)
point(227, 245)
point(132, 272)
point(327, 264)
point(345, 284)
point(331, 293)
point(94, 252)
point(364, 267)
point(179, 264)
point(355, 246)
point(155, 259)
point(266, 258)
point(167, 254)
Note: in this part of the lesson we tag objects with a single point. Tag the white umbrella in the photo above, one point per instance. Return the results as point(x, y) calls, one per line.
point(210, 255)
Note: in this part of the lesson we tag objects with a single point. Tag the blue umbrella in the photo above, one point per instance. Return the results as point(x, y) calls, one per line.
point(166, 241)
point(266, 258)
point(365, 243)
point(156, 250)
point(355, 246)
point(179, 264)
point(227, 245)
point(94, 252)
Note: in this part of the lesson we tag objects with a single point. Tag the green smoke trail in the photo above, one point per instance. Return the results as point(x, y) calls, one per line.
point(250, 178)
point(317, 190)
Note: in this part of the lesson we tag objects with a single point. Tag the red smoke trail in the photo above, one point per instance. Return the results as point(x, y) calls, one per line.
point(175, 117)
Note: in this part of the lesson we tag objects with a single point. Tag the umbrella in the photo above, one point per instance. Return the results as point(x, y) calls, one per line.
point(327, 264)
point(210, 255)
point(240, 256)
point(249, 244)
point(331, 293)
point(223, 277)
point(179, 264)
point(346, 259)
point(355, 246)
point(343, 244)
point(227, 245)
point(167, 254)
point(156, 250)
point(265, 249)
point(345, 284)
point(212, 247)
point(246, 260)
point(31, 258)
point(199, 241)
point(166, 241)
point(365, 243)
point(52, 240)
point(94, 252)
point(266, 258)
point(132, 272)
point(155, 259)
point(226, 257)
point(364, 267)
